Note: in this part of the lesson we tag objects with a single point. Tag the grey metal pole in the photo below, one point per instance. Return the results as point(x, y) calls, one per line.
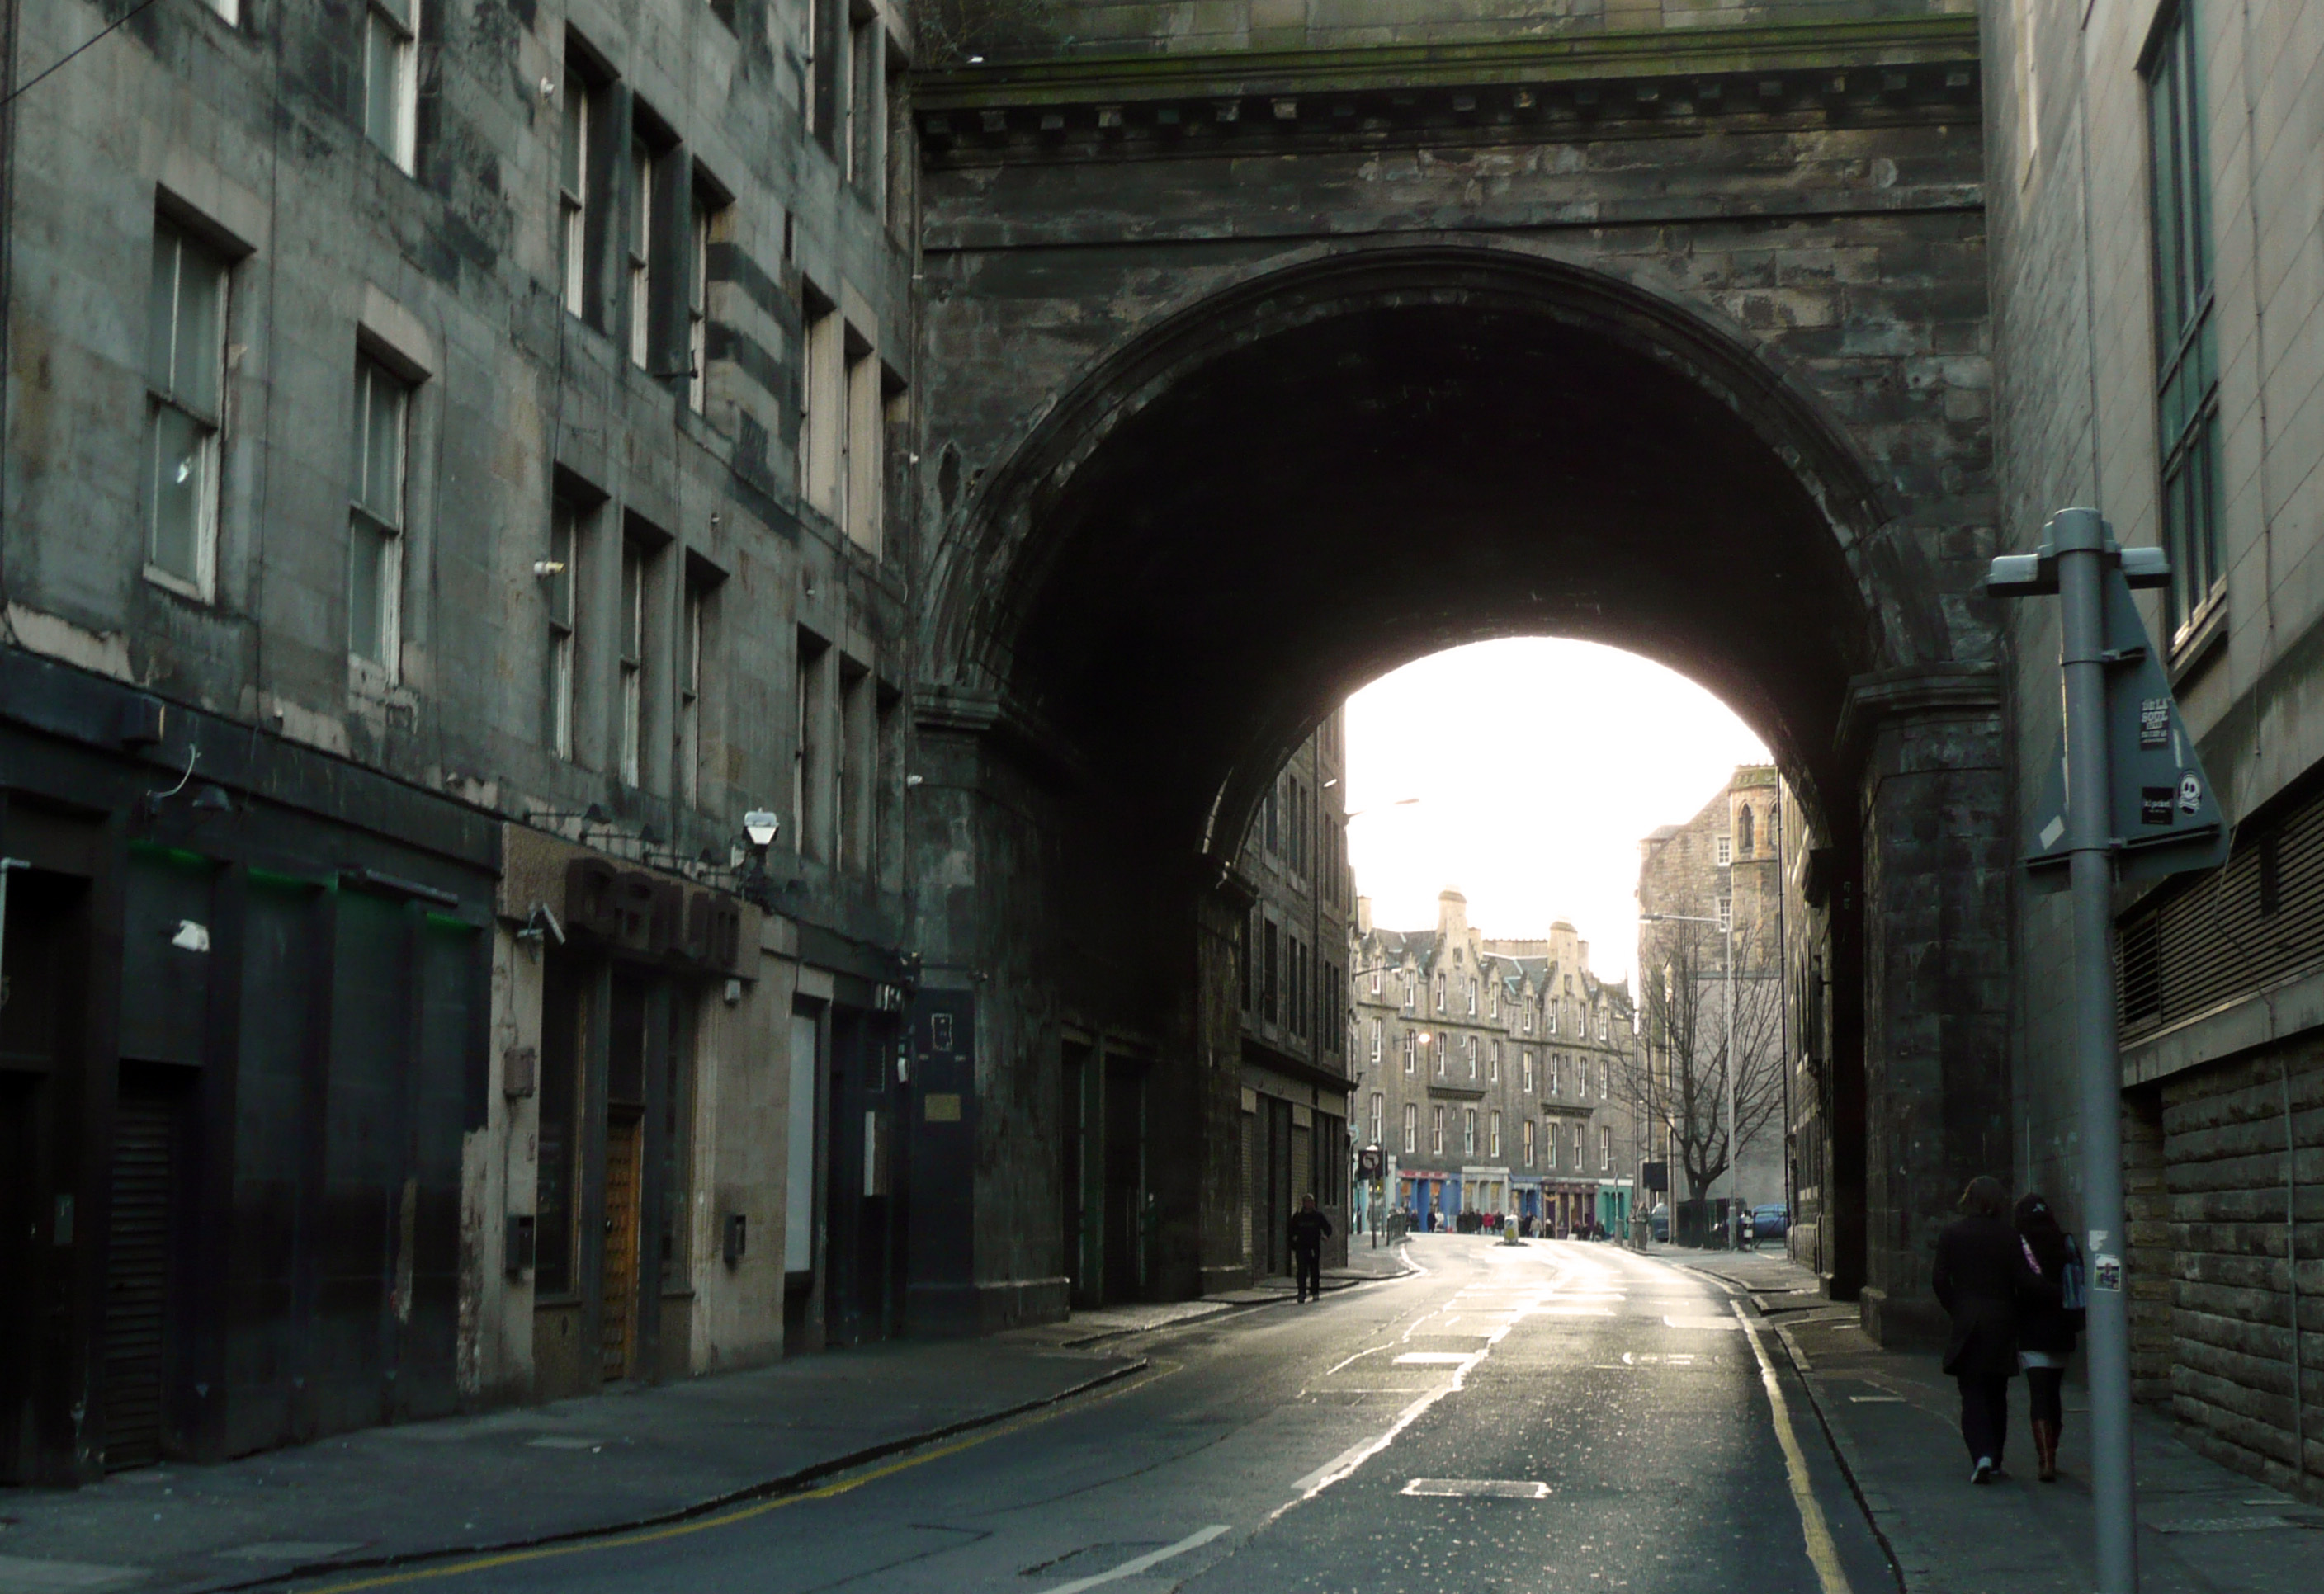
point(2081, 553)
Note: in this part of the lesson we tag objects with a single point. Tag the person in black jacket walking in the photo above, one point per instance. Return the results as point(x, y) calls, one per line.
point(2047, 1328)
point(1981, 1275)
point(1309, 1229)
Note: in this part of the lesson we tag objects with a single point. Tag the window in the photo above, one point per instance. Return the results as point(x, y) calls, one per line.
point(1605, 1078)
point(1411, 983)
point(641, 254)
point(1270, 1004)
point(1376, 1042)
point(185, 379)
point(821, 401)
point(808, 749)
point(861, 447)
point(382, 407)
point(1528, 1017)
point(1379, 1117)
point(1605, 1148)
point(706, 227)
point(637, 570)
point(1726, 849)
point(1412, 1126)
point(826, 42)
point(1726, 914)
point(693, 629)
point(1493, 1069)
point(851, 773)
point(1743, 831)
point(1440, 993)
point(1493, 1133)
point(1472, 999)
point(1376, 982)
point(563, 579)
point(1470, 1049)
point(1528, 1072)
point(1468, 1131)
point(1409, 1051)
point(573, 192)
point(390, 86)
point(1549, 1133)
point(1550, 1007)
point(2186, 381)
point(1527, 1140)
point(1604, 1019)
point(1556, 1066)
point(859, 136)
point(1440, 1054)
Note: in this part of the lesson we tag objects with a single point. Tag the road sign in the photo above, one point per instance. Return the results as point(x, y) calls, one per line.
point(1371, 1163)
point(2164, 818)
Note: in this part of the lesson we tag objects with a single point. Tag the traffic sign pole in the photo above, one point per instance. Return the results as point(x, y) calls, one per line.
point(2083, 567)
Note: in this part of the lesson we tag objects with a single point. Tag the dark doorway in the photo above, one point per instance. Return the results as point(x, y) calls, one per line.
point(1125, 1179)
point(143, 1241)
point(629, 1035)
point(861, 1247)
point(1074, 1206)
point(1270, 1188)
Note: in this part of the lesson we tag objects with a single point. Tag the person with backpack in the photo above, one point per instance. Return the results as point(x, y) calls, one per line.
point(2047, 1327)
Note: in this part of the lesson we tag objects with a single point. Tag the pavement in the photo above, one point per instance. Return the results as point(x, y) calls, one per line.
point(1893, 1418)
point(525, 1476)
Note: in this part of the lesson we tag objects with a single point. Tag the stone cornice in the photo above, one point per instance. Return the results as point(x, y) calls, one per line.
point(1079, 107)
point(1944, 691)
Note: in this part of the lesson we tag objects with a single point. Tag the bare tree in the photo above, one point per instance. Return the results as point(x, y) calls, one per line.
point(1677, 1078)
point(955, 31)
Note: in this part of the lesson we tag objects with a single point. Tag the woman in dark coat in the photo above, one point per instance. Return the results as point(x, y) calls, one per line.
point(1981, 1276)
point(2046, 1328)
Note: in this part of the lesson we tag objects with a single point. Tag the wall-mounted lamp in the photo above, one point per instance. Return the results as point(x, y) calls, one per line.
point(912, 780)
point(539, 925)
point(762, 827)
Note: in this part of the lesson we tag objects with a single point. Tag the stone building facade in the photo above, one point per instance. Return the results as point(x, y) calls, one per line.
point(1488, 1072)
point(2158, 284)
point(1294, 864)
point(448, 488)
point(1722, 878)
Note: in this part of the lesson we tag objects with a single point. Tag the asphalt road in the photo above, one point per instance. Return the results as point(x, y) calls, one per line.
point(1552, 1416)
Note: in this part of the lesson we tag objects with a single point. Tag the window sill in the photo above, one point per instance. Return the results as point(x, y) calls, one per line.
point(2202, 642)
point(170, 582)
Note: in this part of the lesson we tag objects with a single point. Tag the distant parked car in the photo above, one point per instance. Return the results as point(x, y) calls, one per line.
point(1770, 1222)
point(1658, 1222)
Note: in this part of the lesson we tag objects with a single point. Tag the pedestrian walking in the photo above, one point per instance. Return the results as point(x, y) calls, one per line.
point(1981, 1276)
point(2047, 1329)
point(1309, 1228)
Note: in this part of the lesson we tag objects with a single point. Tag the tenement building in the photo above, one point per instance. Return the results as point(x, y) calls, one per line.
point(1490, 1073)
point(1715, 1082)
point(1293, 866)
point(2158, 294)
point(450, 743)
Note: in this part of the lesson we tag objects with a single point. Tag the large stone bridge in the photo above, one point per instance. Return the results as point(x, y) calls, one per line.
point(1248, 375)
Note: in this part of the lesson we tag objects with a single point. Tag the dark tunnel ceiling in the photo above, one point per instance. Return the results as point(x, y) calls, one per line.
point(1321, 505)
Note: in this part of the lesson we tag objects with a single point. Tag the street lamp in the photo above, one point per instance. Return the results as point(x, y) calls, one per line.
point(1734, 1148)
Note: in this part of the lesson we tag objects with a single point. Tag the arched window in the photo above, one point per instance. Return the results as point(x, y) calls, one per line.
point(1743, 831)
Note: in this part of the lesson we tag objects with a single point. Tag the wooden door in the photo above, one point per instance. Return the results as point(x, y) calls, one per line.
point(625, 1145)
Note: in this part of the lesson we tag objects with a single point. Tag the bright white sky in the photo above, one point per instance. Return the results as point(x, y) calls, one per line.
point(1539, 764)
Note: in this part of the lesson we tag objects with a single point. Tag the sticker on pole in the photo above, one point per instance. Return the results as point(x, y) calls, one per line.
point(2106, 1273)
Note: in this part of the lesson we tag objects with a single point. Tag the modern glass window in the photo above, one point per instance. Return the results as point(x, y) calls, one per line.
point(573, 194)
point(562, 579)
point(382, 409)
point(390, 83)
point(185, 380)
point(2187, 375)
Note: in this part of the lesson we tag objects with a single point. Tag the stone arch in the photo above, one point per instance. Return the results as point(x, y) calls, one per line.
point(991, 574)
